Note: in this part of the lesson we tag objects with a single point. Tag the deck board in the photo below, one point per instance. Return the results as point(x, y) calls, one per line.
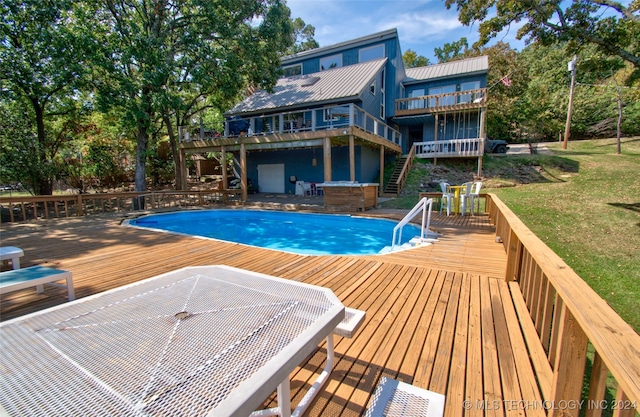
point(439, 317)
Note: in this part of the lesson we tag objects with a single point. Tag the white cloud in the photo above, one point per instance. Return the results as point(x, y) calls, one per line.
point(422, 24)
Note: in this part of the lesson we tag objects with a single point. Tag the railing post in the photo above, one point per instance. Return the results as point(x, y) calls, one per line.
point(351, 115)
point(80, 209)
point(514, 256)
point(569, 366)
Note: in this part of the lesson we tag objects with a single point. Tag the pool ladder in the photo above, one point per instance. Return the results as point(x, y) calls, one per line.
point(423, 206)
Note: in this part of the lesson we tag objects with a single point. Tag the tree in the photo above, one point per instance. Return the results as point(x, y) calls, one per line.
point(612, 26)
point(41, 66)
point(303, 37)
point(451, 50)
point(412, 60)
point(163, 59)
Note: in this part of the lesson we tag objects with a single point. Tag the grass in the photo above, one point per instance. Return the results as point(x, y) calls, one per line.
point(585, 205)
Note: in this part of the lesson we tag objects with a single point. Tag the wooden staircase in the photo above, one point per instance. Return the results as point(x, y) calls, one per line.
point(393, 186)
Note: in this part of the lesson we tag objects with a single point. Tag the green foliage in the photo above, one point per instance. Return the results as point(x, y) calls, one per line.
point(303, 37)
point(412, 60)
point(41, 69)
point(613, 27)
point(175, 59)
point(451, 50)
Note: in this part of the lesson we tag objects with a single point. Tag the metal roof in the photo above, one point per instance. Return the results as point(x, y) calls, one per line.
point(320, 87)
point(448, 69)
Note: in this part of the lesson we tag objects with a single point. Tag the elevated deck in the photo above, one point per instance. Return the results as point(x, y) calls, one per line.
point(418, 302)
point(441, 317)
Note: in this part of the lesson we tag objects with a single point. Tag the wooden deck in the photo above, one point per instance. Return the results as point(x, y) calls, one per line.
point(439, 317)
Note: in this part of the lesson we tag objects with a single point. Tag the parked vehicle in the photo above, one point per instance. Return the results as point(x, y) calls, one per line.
point(495, 146)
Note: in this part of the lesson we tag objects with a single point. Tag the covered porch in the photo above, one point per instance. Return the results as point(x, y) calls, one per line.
point(321, 128)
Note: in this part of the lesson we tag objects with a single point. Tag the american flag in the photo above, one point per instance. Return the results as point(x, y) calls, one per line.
point(506, 80)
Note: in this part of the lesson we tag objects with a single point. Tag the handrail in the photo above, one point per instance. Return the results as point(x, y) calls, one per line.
point(567, 315)
point(458, 100)
point(426, 220)
point(406, 168)
point(449, 148)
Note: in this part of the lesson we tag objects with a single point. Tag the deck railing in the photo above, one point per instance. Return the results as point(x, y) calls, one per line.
point(453, 148)
point(567, 325)
point(16, 209)
point(311, 120)
point(435, 103)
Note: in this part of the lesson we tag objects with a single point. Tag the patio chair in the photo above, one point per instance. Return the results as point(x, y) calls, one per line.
point(447, 197)
point(395, 398)
point(475, 195)
point(465, 197)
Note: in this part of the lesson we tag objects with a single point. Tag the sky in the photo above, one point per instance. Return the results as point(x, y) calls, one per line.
point(422, 24)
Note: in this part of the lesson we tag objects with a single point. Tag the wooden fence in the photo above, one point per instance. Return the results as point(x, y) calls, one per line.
point(581, 350)
point(15, 209)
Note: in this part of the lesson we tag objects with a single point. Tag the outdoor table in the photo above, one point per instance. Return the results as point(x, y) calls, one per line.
point(456, 197)
point(211, 340)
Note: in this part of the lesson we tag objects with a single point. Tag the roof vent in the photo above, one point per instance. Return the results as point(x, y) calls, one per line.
point(310, 81)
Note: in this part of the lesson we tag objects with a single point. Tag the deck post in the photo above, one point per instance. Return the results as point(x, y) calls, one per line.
point(243, 171)
point(327, 159)
point(381, 171)
point(352, 159)
point(223, 157)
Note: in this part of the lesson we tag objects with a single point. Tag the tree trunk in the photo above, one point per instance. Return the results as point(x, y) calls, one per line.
point(141, 158)
point(173, 141)
point(41, 184)
point(619, 130)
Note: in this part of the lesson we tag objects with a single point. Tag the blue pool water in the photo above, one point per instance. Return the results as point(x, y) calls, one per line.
point(303, 233)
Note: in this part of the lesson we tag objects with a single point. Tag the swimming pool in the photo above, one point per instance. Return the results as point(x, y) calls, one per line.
point(302, 233)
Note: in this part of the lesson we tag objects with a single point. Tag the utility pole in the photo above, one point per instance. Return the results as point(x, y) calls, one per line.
point(567, 128)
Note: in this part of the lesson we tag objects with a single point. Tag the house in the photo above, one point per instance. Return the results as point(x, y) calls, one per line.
point(342, 112)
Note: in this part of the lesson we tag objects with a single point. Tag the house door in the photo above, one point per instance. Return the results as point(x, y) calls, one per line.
point(415, 135)
point(271, 178)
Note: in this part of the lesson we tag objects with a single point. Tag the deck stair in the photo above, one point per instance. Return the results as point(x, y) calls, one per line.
point(391, 189)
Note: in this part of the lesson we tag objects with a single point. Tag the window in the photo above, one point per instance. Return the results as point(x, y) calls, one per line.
point(416, 104)
point(336, 113)
point(472, 85)
point(447, 100)
point(383, 97)
point(292, 70)
point(372, 88)
point(333, 61)
point(371, 53)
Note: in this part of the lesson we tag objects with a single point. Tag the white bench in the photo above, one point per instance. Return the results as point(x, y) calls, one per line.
point(37, 276)
point(395, 398)
point(13, 254)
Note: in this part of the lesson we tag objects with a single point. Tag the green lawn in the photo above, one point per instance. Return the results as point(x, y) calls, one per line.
point(588, 212)
point(584, 203)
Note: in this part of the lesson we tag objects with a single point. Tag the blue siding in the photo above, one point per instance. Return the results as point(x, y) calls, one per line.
point(446, 81)
point(299, 163)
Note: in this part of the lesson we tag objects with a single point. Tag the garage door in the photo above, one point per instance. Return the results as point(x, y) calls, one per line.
point(271, 178)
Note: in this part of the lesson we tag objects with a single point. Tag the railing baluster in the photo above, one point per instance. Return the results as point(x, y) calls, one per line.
point(597, 387)
point(569, 364)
